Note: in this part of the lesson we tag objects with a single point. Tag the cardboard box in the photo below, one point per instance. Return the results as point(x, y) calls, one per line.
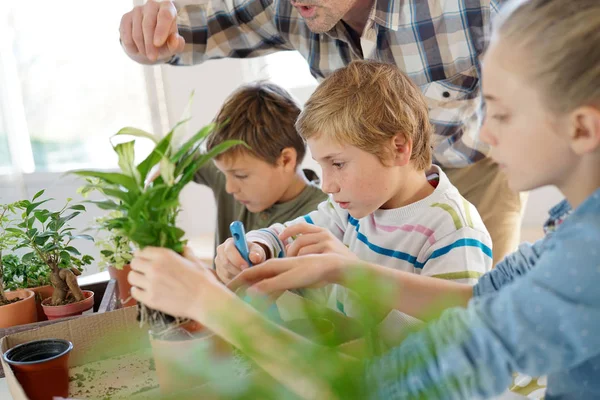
point(107, 348)
point(111, 354)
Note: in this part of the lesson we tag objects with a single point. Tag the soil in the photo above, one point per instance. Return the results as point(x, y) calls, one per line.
point(3, 303)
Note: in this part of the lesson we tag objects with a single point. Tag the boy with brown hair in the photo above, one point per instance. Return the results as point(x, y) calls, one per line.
point(262, 184)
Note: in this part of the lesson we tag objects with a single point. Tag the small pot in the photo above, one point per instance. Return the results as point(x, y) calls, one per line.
point(41, 367)
point(120, 275)
point(68, 310)
point(41, 294)
point(19, 313)
point(181, 361)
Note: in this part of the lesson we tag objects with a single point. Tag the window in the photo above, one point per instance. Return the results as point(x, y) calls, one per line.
point(289, 70)
point(70, 86)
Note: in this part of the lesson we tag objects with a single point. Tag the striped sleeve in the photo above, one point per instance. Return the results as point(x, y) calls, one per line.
point(227, 29)
point(463, 256)
point(327, 215)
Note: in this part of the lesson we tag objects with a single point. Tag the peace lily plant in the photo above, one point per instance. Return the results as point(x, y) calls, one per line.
point(149, 207)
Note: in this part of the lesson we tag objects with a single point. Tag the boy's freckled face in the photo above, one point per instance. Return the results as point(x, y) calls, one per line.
point(251, 181)
point(526, 139)
point(355, 179)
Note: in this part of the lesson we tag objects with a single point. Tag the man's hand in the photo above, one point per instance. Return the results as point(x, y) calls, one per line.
point(149, 33)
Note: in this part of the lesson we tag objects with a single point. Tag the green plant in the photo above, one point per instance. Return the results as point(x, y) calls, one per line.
point(115, 247)
point(48, 235)
point(19, 274)
point(7, 241)
point(149, 207)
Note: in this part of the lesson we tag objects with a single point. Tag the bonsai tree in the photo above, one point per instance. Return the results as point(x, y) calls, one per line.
point(48, 236)
point(149, 211)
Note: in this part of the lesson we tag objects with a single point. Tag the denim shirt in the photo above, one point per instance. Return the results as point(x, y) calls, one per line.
point(537, 313)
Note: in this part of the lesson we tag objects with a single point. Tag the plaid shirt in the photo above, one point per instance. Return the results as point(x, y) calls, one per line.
point(438, 47)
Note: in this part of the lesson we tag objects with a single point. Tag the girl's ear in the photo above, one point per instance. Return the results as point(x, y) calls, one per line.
point(584, 125)
point(402, 150)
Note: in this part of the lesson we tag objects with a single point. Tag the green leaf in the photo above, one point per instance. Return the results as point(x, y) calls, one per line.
point(193, 141)
point(62, 221)
point(42, 215)
point(16, 231)
point(48, 233)
point(130, 131)
point(112, 178)
point(79, 207)
point(28, 257)
point(155, 156)
point(72, 250)
point(126, 153)
point(32, 206)
point(86, 237)
point(64, 255)
point(118, 194)
point(41, 240)
point(38, 194)
point(167, 171)
point(49, 247)
point(107, 253)
point(104, 204)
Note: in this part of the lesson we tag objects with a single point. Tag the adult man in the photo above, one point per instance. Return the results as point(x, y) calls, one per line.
point(437, 43)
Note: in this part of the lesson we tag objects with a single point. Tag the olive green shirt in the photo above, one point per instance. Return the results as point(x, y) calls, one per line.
point(229, 210)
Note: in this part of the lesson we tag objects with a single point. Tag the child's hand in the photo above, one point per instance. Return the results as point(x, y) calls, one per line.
point(229, 261)
point(281, 274)
point(168, 282)
point(313, 239)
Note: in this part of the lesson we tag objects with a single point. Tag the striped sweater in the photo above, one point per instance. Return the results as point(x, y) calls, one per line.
point(440, 236)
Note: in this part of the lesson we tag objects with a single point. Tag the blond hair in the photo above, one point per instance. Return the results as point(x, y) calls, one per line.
point(561, 40)
point(263, 116)
point(365, 105)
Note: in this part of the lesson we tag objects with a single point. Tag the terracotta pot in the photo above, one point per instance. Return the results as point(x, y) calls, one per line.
point(181, 363)
point(41, 294)
point(120, 275)
point(19, 313)
point(56, 312)
point(42, 367)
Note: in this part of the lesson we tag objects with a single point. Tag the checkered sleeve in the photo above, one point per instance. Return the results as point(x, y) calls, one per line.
point(227, 29)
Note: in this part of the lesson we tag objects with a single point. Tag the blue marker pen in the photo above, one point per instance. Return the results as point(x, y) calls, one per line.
point(239, 238)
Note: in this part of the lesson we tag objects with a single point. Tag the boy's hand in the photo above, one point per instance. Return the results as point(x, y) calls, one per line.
point(229, 261)
point(149, 32)
point(313, 239)
point(168, 282)
point(281, 274)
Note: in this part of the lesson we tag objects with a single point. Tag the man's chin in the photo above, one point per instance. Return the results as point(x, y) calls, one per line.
point(317, 26)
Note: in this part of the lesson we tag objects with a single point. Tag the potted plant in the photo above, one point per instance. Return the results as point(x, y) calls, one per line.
point(149, 207)
point(116, 252)
point(16, 307)
point(149, 211)
point(48, 235)
point(32, 274)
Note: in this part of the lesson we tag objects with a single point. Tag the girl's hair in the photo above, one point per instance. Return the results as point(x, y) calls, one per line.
point(560, 40)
